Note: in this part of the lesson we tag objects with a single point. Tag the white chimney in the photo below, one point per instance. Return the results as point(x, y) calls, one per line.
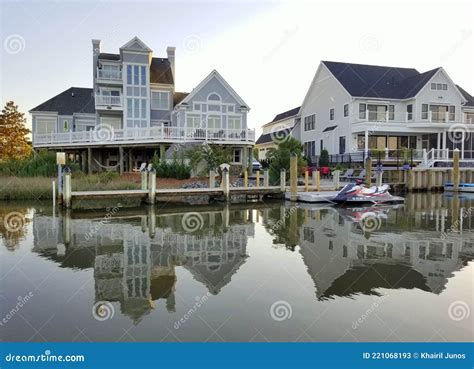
point(95, 57)
point(170, 51)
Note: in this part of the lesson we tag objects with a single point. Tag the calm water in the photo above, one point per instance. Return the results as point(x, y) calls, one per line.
point(245, 273)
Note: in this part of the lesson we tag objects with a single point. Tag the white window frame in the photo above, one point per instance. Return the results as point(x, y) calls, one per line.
point(45, 122)
point(163, 104)
point(234, 118)
point(212, 117)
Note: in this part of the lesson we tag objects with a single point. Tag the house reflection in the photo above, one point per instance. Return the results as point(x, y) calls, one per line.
point(135, 257)
point(418, 245)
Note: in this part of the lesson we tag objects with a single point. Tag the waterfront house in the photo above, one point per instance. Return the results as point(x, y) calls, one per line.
point(133, 111)
point(276, 131)
point(354, 108)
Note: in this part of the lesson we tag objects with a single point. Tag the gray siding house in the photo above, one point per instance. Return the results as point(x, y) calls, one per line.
point(133, 111)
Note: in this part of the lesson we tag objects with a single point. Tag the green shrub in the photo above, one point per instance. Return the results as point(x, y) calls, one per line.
point(176, 168)
point(324, 158)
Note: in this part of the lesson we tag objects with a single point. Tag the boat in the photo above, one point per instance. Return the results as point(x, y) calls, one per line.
point(357, 194)
point(463, 187)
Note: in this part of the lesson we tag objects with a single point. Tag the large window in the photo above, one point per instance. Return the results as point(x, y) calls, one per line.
point(136, 75)
point(160, 100)
point(424, 111)
point(234, 123)
point(45, 125)
point(309, 148)
point(342, 144)
point(439, 86)
point(309, 122)
point(193, 121)
point(136, 113)
point(136, 94)
point(214, 121)
point(410, 111)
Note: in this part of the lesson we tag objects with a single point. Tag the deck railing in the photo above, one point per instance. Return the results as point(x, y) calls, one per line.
point(106, 134)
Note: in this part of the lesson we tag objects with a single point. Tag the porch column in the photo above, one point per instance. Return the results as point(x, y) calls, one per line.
point(120, 160)
point(366, 143)
point(244, 158)
point(162, 151)
point(89, 160)
point(438, 143)
point(130, 159)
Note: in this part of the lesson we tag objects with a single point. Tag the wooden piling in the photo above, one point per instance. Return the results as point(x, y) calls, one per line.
point(306, 181)
point(212, 179)
point(336, 179)
point(226, 183)
point(456, 176)
point(144, 179)
point(258, 179)
point(316, 179)
point(294, 178)
point(283, 180)
point(368, 171)
point(246, 177)
point(151, 186)
point(67, 190)
point(266, 180)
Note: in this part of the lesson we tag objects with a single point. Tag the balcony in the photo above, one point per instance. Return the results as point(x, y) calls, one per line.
point(109, 76)
point(107, 102)
point(106, 135)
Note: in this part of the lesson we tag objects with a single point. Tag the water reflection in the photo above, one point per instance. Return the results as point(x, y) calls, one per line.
point(135, 257)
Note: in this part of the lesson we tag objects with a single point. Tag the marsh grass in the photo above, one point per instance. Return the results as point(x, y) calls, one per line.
point(40, 188)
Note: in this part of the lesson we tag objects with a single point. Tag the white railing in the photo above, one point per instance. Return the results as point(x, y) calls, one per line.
point(109, 74)
point(108, 135)
point(419, 117)
point(108, 100)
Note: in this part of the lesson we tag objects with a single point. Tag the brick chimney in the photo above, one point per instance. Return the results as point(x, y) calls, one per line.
point(170, 51)
point(95, 57)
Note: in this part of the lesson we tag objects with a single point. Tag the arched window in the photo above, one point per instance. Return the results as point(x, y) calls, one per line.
point(214, 97)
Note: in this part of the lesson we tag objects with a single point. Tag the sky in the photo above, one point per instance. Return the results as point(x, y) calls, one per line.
point(268, 51)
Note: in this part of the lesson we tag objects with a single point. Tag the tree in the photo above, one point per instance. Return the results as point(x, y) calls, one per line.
point(324, 158)
point(211, 155)
point(13, 140)
point(279, 158)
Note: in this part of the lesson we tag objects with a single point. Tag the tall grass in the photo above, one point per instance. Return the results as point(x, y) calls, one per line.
point(40, 188)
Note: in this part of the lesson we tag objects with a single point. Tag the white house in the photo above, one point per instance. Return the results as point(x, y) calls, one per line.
point(276, 131)
point(354, 108)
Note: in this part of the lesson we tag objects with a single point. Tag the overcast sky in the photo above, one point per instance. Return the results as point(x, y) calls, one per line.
point(267, 51)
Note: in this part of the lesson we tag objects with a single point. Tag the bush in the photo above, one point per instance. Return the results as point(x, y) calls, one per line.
point(176, 168)
point(42, 163)
point(279, 158)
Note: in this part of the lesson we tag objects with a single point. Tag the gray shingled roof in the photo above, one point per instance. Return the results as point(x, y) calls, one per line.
point(178, 97)
point(362, 80)
point(286, 114)
point(467, 96)
point(73, 100)
point(107, 56)
point(160, 71)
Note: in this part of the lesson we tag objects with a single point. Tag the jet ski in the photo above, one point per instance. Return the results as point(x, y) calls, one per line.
point(358, 193)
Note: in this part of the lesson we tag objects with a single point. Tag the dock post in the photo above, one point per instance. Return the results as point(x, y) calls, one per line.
point(306, 180)
point(152, 186)
point(144, 178)
point(266, 178)
point(335, 179)
point(294, 178)
point(283, 180)
point(246, 177)
point(212, 179)
point(226, 183)
point(257, 173)
point(316, 179)
point(67, 190)
point(456, 173)
point(378, 178)
point(368, 171)
point(151, 222)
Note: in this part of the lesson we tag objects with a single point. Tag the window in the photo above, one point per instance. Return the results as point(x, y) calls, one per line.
point(136, 112)
point(143, 75)
point(439, 86)
point(193, 121)
point(362, 111)
point(424, 111)
point(214, 97)
point(309, 122)
point(321, 146)
point(452, 112)
point(136, 75)
point(214, 121)
point(342, 144)
point(391, 112)
point(237, 155)
point(309, 148)
point(331, 114)
point(346, 110)
point(160, 100)
point(234, 123)
point(45, 125)
point(129, 74)
point(410, 111)
point(213, 107)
